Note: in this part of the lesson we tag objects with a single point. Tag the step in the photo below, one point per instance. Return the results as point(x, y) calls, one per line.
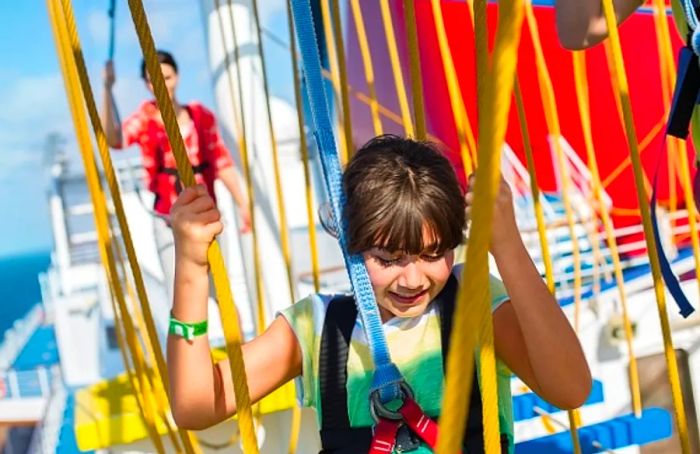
point(655, 424)
point(524, 404)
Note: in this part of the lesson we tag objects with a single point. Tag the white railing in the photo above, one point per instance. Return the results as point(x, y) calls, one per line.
point(579, 173)
point(45, 436)
point(588, 231)
point(24, 384)
point(18, 335)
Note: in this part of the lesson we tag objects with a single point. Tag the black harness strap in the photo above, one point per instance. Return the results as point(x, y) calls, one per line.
point(195, 169)
point(333, 377)
point(337, 437)
point(173, 171)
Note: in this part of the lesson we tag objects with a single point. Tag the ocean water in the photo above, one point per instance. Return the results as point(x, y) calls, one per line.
point(19, 285)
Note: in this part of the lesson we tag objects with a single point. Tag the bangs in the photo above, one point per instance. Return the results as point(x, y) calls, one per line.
point(402, 196)
point(413, 224)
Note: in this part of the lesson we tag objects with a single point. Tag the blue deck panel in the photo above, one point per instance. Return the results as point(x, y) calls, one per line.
point(655, 424)
point(524, 404)
point(67, 443)
point(41, 350)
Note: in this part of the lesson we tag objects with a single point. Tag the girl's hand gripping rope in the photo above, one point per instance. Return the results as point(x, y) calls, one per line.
point(195, 221)
point(504, 228)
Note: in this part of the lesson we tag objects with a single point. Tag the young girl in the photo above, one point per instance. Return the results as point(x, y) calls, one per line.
point(405, 214)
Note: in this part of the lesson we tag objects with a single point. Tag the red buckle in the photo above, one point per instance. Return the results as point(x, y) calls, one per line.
point(413, 416)
point(419, 422)
point(384, 437)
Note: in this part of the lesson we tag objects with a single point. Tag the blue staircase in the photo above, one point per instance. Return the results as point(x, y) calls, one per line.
point(654, 424)
point(524, 404)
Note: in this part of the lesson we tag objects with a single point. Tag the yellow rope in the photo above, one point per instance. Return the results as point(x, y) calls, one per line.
point(229, 317)
point(343, 75)
point(534, 188)
point(72, 34)
point(304, 152)
point(579, 59)
point(409, 11)
point(672, 150)
point(613, 78)
point(155, 382)
point(465, 135)
point(367, 62)
point(552, 120)
point(643, 146)
point(669, 67)
point(396, 68)
point(481, 44)
point(284, 227)
point(241, 136)
point(240, 125)
point(130, 370)
point(592, 231)
point(332, 50)
point(666, 67)
point(97, 196)
point(542, 233)
point(473, 311)
point(623, 90)
point(487, 362)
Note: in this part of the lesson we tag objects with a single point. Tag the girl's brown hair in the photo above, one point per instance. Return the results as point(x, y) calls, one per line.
point(395, 187)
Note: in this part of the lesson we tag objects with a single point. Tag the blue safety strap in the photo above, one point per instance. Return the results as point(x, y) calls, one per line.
point(387, 377)
point(691, 8)
point(112, 19)
point(670, 279)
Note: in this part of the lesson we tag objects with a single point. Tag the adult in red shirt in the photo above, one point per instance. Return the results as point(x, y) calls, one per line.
point(207, 153)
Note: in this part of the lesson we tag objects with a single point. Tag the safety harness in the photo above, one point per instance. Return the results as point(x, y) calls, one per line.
point(401, 430)
point(387, 382)
point(162, 189)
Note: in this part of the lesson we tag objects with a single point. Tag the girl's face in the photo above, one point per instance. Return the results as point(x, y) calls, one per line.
point(405, 284)
point(170, 77)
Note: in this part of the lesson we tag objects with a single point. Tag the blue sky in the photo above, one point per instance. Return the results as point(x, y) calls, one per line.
point(33, 99)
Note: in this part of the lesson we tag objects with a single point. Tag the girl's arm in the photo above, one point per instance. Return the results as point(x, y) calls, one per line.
point(112, 129)
point(532, 334)
point(581, 23)
point(201, 392)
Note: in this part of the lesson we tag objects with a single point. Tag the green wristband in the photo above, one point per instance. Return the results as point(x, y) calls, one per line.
point(188, 331)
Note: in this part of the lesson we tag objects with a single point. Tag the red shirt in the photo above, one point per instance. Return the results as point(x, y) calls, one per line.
point(205, 149)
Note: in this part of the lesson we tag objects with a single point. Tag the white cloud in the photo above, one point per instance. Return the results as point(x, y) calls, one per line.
point(33, 107)
point(129, 92)
point(98, 26)
point(269, 9)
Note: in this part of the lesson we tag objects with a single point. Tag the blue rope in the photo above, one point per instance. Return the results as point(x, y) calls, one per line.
point(387, 377)
point(672, 284)
point(690, 15)
point(112, 18)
